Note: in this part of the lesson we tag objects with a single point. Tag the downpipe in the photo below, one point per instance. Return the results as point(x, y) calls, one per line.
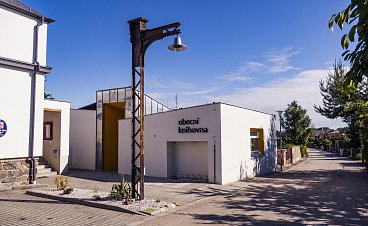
point(33, 162)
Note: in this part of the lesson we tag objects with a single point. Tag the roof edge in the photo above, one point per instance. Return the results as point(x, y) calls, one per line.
point(24, 11)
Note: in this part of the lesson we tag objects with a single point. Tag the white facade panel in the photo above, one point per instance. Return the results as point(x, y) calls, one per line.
point(83, 139)
point(163, 128)
point(16, 36)
point(15, 92)
point(237, 162)
point(38, 115)
point(64, 127)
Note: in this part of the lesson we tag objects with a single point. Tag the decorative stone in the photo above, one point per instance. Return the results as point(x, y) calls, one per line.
point(9, 180)
point(11, 165)
point(1, 167)
point(3, 175)
point(171, 206)
point(23, 179)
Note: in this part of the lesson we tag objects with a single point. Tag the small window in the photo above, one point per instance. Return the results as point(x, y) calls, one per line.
point(256, 140)
point(47, 130)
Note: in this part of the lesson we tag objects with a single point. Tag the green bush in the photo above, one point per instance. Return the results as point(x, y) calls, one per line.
point(122, 190)
point(358, 156)
point(303, 150)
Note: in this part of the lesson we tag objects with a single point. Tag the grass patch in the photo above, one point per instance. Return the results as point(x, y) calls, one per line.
point(149, 210)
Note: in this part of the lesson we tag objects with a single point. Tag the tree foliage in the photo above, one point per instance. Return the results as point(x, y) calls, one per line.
point(355, 15)
point(296, 123)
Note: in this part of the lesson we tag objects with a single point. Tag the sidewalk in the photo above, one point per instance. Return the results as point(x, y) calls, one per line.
point(156, 188)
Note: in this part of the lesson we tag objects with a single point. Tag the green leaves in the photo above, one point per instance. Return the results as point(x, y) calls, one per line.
point(356, 14)
point(345, 42)
point(352, 33)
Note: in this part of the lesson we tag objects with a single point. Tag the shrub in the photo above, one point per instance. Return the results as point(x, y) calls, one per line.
point(61, 182)
point(122, 190)
point(358, 156)
point(303, 150)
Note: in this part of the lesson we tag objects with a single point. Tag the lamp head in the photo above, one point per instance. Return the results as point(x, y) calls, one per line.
point(177, 46)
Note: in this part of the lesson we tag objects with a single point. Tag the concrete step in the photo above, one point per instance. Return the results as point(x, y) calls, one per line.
point(44, 170)
point(43, 166)
point(50, 174)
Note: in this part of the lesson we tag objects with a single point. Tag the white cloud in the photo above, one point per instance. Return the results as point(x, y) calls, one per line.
point(275, 61)
point(184, 85)
point(273, 96)
point(235, 77)
point(251, 66)
point(280, 60)
point(200, 92)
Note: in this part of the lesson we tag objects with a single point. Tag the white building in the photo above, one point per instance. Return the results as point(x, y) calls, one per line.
point(24, 114)
point(218, 143)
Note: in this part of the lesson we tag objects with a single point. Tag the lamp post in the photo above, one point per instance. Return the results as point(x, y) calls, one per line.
point(282, 154)
point(141, 38)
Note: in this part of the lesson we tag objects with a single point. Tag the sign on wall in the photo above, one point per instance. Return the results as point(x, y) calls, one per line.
point(3, 128)
point(185, 126)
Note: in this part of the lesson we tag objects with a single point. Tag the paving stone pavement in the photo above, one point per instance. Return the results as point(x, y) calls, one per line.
point(324, 190)
point(17, 208)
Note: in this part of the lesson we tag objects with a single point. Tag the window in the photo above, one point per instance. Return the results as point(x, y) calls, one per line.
point(256, 140)
point(47, 130)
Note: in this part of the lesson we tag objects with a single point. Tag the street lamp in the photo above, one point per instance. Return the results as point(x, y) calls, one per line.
point(141, 38)
point(282, 154)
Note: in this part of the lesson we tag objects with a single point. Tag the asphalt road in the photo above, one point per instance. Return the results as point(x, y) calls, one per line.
point(324, 190)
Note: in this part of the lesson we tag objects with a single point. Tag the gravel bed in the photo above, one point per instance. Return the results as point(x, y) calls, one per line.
point(90, 196)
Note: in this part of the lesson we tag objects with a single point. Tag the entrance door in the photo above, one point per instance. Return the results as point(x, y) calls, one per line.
point(112, 112)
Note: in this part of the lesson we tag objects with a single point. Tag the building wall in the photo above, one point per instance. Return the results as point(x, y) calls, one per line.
point(61, 129)
point(83, 139)
point(237, 161)
point(15, 110)
point(17, 42)
point(16, 37)
point(163, 128)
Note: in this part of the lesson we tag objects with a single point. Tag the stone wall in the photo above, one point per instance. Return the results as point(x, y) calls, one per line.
point(14, 171)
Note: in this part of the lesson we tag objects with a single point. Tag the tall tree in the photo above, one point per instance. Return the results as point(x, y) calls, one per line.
point(355, 15)
point(349, 102)
point(296, 123)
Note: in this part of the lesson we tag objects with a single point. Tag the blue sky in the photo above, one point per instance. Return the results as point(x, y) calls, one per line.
point(256, 54)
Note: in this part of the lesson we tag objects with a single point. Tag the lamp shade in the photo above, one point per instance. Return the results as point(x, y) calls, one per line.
point(177, 46)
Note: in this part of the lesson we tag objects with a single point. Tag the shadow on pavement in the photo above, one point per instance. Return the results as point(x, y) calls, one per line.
point(300, 197)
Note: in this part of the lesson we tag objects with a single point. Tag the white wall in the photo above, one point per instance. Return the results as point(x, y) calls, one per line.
point(235, 143)
point(163, 127)
point(83, 139)
point(64, 109)
point(16, 37)
point(15, 111)
point(16, 42)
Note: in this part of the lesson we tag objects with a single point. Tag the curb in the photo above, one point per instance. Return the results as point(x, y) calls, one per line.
point(22, 187)
point(86, 203)
point(297, 164)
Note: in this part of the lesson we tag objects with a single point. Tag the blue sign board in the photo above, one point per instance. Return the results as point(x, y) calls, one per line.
point(3, 128)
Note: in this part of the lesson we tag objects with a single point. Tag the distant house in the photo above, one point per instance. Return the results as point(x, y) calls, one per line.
point(32, 128)
point(327, 134)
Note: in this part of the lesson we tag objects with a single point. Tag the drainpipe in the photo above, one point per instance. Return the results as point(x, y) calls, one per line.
point(33, 162)
point(214, 143)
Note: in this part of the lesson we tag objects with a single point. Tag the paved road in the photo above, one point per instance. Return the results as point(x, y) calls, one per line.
point(326, 190)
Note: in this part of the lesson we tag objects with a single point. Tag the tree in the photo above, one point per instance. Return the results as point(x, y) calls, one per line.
point(355, 15)
point(47, 96)
point(296, 123)
point(349, 102)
